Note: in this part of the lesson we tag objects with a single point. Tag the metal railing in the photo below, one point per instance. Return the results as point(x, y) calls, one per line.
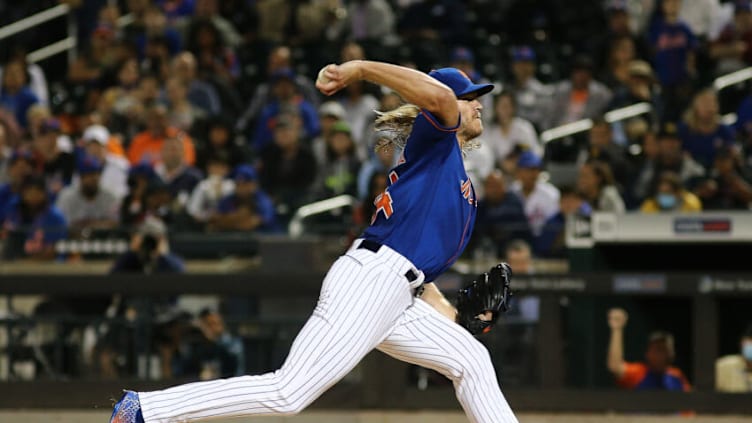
point(296, 227)
point(618, 115)
point(67, 44)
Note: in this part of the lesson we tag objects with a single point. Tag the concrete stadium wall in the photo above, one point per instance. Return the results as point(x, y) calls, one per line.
point(368, 417)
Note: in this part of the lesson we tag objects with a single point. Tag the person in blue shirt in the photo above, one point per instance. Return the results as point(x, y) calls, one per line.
point(551, 242)
point(20, 167)
point(247, 209)
point(286, 99)
point(371, 297)
point(15, 94)
point(32, 224)
point(674, 46)
point(501, 215)
point(702, 133)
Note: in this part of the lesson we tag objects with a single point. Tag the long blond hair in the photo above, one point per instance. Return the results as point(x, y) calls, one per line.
point(394, 128)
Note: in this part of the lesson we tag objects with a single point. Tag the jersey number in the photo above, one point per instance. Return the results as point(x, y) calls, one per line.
point(383, 204)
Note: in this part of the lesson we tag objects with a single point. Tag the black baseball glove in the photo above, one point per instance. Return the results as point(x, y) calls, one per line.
point(489, 292)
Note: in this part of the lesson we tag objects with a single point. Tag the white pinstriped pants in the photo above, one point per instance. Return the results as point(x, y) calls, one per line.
point(365, 303)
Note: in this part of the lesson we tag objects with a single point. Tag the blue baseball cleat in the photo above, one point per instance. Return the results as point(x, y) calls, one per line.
point(128, 409)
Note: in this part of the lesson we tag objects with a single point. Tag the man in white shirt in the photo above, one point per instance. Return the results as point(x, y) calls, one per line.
point(541, 198)
point(733, 373)
point(115, 168)
point(88, 205)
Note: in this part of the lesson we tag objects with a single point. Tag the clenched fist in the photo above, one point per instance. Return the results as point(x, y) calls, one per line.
point(617, 318)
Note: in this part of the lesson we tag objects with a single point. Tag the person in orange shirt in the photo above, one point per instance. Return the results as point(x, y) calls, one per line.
point(147, 146)
point(656, 373)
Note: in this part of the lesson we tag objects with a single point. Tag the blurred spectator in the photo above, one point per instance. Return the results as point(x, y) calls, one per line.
point(674, 46)
point(364, 214)
point(287, 99)
point(32, 225)
point(370, 21)
point(640, 87)
point(89, 205)
point(133, 209)
point(211, 352)
point(733, 373)
point(743, 127)
point(619, 26)
point(702, 132)
point(700, 16)
point(552, 240)
point(115, 167)
point(16, 95)
point(220, 140)
point(200, 93)
point(207, 194)
point(601, 147)
point(533, 98)
point(216, 62)
point(621, 53)
point(247, 209)
point(102, 53)
point(56, 165)
point(288, 167)
point(733, 47)
point(339, 173)
point(179, 176)
point(147, 146)
point(207, 10)
point(358, 104)
point(182, 114)
point(520, 258)
point(37, 81)
point(541, 199)
point(149, 253)
point(155, 26)
point(20, 166)
point(509, 131)
point(280, 58)
point(669, 157)
point(296, 22)
point(243, 17)
point(379, 163)
point(669, 195)
point(727, 188)
point(596, 184)
point(430, 25)
point(501, 215)
point(6, 152)
point(330, 113)
point(580, 97)
point(656, 373)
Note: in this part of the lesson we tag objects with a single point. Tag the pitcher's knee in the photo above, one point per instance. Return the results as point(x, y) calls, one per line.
point(476, 363)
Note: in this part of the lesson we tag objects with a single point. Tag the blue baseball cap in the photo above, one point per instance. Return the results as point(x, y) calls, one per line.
point(529, 160)
point(523, 54)
point(459, 82)
point(88, 165)
point(244, 173)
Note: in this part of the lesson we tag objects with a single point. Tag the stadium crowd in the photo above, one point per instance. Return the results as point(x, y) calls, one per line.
point(203, 114)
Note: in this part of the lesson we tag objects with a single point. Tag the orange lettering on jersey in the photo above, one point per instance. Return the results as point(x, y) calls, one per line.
point(393, 177)
point(383, 203)
point(467, 191)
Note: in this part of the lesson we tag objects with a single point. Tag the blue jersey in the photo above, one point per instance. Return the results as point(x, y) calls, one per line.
point(428, 209)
